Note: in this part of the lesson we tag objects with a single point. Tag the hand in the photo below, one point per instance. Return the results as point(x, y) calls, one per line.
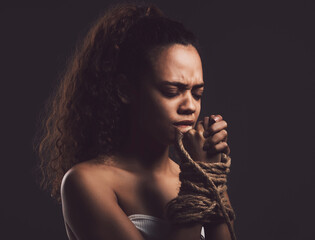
point(208, 140)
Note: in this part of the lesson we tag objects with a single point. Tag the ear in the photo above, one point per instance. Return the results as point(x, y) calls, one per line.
point(123, 90)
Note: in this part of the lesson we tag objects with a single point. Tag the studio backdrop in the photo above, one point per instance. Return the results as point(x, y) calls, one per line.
point(258, 64)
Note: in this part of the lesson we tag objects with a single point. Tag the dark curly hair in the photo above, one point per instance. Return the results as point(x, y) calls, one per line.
point(83, 117)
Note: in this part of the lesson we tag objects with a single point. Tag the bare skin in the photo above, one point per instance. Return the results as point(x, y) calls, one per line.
point(98, 197)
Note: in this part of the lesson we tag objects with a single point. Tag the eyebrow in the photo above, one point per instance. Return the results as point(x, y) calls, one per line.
point(182, 85)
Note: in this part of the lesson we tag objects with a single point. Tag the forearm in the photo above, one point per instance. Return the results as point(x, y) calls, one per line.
point(218, 231)
point(203, 183)
point(186, 232)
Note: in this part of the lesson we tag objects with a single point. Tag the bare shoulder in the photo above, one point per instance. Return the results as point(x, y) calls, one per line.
point(90, 172)
point(86, 177)
point(89, 203)
point(87, 183)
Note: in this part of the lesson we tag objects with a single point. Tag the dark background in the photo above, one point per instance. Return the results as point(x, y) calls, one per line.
point(258, 59)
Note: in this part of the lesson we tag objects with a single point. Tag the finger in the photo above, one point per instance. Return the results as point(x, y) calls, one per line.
point(227, 150)
point(225, 139)
point(206, 122)
point(217, 118)
point(212, 120)
point(214, 128)
point(216, 138)
point(220, 147)
point(199, 126)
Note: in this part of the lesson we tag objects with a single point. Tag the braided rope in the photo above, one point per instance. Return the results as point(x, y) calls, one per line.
point(208, 180)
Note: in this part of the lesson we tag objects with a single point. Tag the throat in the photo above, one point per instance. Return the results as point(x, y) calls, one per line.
point(145, 154)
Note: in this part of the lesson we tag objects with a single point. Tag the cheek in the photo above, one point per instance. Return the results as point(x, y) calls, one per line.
point(162, 114)
point(198, 111)
point(159, 107)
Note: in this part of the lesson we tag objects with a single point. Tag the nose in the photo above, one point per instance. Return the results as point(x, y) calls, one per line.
point(187, 105)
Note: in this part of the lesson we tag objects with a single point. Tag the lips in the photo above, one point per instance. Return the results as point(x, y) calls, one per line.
point(184, 126)
point(184, 123)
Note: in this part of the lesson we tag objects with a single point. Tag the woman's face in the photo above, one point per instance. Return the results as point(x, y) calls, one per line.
point(172, 94)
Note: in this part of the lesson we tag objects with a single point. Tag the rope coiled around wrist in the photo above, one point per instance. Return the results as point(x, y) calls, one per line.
point(201, 195)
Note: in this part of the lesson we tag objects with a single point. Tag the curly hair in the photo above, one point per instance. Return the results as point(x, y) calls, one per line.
point(84, 115)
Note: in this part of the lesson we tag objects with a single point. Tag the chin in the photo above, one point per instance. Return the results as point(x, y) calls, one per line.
point(184, 128)
point(172, 133)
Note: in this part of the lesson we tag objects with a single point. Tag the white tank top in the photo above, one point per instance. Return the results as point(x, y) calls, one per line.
point(153, 228)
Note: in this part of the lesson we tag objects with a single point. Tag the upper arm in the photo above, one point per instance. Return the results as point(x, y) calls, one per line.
point(91, 210)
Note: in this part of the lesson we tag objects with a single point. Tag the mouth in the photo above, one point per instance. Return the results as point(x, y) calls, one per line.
point(184, 126)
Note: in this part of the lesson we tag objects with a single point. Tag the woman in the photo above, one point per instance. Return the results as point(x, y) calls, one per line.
point(133, 86)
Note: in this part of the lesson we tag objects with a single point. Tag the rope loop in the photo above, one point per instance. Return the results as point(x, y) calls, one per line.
point(201, 195)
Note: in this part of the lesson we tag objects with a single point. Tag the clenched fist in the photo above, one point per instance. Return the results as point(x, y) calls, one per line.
point(208, 140)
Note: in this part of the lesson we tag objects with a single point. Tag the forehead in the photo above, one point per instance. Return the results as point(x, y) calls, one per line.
point(178, 65)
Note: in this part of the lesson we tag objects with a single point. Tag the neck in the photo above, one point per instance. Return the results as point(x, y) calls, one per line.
point(142, 151)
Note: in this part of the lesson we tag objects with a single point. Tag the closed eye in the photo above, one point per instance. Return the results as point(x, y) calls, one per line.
point(197, 96)
point(171, 94)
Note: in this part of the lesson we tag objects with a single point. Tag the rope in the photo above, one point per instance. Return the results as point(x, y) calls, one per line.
point(208, 180)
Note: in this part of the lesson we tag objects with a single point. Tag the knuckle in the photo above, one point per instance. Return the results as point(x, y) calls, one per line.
point(217, 147)
point(220, 146)
point(215, 139)
point(211, 128)
point(217, 136)
point(224, 133)
point(228, 150)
